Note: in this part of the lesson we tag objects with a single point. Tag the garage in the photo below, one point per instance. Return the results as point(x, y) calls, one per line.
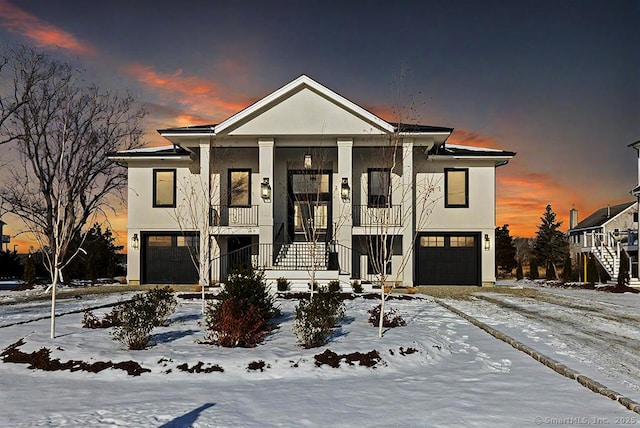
point(166, 258)
point(448, 258)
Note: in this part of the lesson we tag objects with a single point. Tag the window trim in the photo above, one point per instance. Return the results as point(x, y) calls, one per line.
point(466, 188)
point(155, 204)
point(229, 172)
point(371, 202)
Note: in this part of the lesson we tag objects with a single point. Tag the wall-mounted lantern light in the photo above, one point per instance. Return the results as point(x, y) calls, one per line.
point(487, 242)
point(265, 190)
point(135, 242)
point(307, 161)
point(345, 190)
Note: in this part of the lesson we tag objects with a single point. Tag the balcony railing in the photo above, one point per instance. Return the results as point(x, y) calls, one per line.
point(365, 215)
point(224, 215)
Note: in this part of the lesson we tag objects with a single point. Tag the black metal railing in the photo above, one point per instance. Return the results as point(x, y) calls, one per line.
point(224, 215)
point(365, 215)
point(299, 256)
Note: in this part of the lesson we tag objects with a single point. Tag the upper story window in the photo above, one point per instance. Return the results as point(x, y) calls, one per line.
point(379, 190)
point(456, 188)
point(239, 187)
point(164, 188)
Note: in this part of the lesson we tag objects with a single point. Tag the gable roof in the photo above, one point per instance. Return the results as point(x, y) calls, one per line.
point(288, 90)
point(602, 216)
point(295, 86)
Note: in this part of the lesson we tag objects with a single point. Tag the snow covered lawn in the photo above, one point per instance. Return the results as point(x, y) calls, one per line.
point(439, 370)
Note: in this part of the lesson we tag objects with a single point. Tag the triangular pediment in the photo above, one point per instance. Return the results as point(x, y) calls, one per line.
point(304, 107)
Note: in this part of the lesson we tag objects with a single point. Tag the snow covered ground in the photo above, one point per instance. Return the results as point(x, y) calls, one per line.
point(459, 376)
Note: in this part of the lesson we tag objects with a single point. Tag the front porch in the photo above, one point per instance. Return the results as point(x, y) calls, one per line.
point(608, 248)
point(301, 263)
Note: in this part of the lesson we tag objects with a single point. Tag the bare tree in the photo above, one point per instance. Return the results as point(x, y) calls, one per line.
point(199, 210)
point(62, 134)
point(388, 182)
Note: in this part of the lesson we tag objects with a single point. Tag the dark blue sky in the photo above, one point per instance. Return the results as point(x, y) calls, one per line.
point(556, 81)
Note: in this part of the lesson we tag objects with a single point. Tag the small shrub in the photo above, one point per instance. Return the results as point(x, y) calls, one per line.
point(391, 318)
point(232, 324)
point(241, 315)
point(165, 303)
point(136, 318)
point(248, 286)
point(282, 284)
point(89, 320)
point(313, 286)
point(356, 286)
point(315, 318)
point(334, 286)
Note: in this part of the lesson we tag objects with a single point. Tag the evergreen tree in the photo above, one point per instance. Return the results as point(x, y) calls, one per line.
point(100, 258)
point(551, 244)
point(10, 264)
point(533, 269)
point(505, 250)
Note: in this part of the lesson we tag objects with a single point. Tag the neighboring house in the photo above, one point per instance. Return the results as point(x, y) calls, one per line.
point(304, 183)
point(609, 233)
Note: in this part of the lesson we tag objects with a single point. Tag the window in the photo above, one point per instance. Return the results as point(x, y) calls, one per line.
point(239, 187)
point(456, 188)
point(432, 241)
point(379, 187)
point(164, 187)
point(462, 241)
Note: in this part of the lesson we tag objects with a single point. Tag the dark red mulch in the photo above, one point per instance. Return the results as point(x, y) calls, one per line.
point(41, 360)
point(199, 368)
point(370, 359)
point(257, 365)
point(407, 351)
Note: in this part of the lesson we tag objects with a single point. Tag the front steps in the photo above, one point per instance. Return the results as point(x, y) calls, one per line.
point(300, 280)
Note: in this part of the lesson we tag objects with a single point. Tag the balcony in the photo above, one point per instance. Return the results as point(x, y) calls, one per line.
point(365, 215)
point(224, 215)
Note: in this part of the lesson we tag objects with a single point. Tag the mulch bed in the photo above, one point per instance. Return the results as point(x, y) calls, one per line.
point(330, 358)
point(41, 360)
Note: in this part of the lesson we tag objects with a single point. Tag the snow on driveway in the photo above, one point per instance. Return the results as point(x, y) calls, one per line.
point(459, 376)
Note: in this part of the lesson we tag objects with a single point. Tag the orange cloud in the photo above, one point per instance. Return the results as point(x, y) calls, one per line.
point(42, 33)
point(523, 196)
point(201, 97)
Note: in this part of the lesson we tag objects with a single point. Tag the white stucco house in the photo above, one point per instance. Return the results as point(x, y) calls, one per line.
point(608, 233)
point(305, 183)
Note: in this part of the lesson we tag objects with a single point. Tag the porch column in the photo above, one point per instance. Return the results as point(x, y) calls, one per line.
point(204, 227)
point(342, 209)
point(265, 209)
point(407, 212)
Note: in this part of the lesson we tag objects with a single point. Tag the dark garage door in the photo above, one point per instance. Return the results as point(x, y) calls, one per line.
point(448, 259)
point(166, 258)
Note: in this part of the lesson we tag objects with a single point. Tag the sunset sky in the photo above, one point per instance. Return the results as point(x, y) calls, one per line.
point(557, 81)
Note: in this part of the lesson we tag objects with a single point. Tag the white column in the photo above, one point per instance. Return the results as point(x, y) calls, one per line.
point(265, 209)
point(342, 210)
point(407, 212)
point(205, 204)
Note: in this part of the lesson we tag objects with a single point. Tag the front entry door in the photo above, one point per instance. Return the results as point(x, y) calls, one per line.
point(309, 205)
